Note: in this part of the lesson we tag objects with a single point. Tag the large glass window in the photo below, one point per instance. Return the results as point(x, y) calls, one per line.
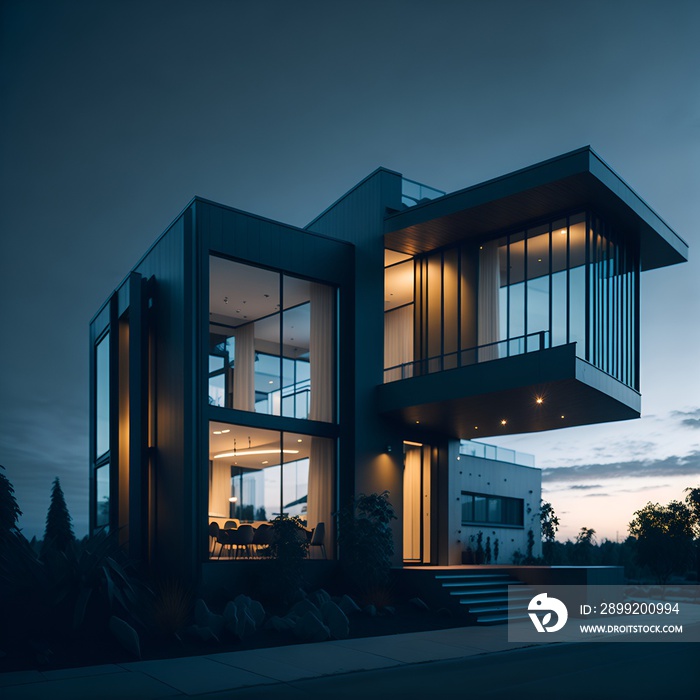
point(271, 342)
point(102, 396)
point(481, 509)
point(572, 280)
point(256, 475)
point(102, 496)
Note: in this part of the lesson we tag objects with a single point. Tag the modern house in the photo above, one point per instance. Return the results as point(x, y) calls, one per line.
point(247, 368)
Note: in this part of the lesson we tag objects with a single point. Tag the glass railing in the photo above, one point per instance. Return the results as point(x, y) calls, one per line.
point(472, 356)
point(413, 193)
point(498, 454)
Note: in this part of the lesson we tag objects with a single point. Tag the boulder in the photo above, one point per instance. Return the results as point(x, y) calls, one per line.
point(257, 612)
point(280, 624)
point(203, 617)
point(231, 617)
point(246, 624)
point(319, 597)
point(370, 610)
point(336, 620)
point(309, 628)
point(302, 607)
point(348, 605)
point(418, 603)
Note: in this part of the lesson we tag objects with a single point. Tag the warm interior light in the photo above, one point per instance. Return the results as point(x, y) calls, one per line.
point(504, 421)
point(563, 232)
point(417, 422)
point(415, 444)
point(476, 427)
point(265, 461)
point(217, 432)
point(562, 416)
point(245, 453)
point(233, 499)
point(225, 431)
point(539, 399)
point(299, 440)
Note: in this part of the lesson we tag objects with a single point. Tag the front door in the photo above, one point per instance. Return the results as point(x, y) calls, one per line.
point(416, 503)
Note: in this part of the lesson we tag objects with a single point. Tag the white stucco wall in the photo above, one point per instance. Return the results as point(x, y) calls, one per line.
point(493, 478)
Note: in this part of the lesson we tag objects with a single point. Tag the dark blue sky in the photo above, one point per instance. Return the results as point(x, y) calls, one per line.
point(114, 114)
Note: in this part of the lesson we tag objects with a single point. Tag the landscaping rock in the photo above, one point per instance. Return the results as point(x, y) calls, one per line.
point(231, 617)
point(280, 624)
point(257, 612)
point(126, 635)
point(309, 628)
point(444, 612)
point(418, 603)
point(302, 607)
point(246, 624)
point(336, 620)
point(319, 597)
point(348, 605)
point(370, 610)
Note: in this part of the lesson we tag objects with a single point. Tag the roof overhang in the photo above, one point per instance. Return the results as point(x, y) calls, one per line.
point(575, 181)
point(471, 402)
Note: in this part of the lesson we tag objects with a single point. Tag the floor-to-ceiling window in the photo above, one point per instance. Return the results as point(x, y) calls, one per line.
point(101, 427)
point(256, 475)
point(272, 342)
point(571, 280)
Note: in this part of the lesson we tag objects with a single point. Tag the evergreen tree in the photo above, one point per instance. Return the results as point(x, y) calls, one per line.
point(59, 531)
point(9, 510)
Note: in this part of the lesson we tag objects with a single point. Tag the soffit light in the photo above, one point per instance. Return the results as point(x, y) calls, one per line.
point(504, 422)
point(539, 400)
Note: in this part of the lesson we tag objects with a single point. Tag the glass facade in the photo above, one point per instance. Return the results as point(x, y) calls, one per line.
point(102, 396)
point(572, 280)
point(101, 417)
point(271, 342)
point(256, 475)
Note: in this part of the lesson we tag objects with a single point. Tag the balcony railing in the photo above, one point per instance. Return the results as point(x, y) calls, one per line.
point(472, 356)
point(413, 193)
point(499, 454)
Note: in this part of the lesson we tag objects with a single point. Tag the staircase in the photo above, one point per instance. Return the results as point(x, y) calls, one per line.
point(484, 596)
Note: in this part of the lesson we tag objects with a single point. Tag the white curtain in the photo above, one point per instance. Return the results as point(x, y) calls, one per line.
point(244, 369)
point(321, 352)
point(489, 290)
point(412, 503)
point(219, 489)
point(398, 342)
point(320, 498)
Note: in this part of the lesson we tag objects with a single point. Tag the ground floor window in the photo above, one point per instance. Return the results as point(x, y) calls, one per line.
point(482, 509)
point(256, 475)
point(102, 496)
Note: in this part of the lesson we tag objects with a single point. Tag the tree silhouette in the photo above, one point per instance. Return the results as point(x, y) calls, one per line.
point(9, 510)
point(664, 538)
point(59, 531)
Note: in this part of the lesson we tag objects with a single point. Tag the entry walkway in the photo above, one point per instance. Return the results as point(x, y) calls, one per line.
point(238, 670)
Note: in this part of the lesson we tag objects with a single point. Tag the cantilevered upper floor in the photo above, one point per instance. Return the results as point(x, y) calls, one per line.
point(513, 305)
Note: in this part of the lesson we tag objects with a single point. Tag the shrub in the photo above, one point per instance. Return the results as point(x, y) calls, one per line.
point(366, 543)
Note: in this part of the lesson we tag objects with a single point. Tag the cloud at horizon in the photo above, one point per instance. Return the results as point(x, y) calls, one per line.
point(675, 465)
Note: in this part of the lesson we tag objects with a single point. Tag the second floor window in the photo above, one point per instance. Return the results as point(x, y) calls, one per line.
point(271, 342)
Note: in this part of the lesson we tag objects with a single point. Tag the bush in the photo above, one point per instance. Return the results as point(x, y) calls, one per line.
point(288, 549)
point(367, 543)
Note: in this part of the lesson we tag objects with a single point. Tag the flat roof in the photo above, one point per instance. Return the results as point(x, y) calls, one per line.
point(576, 180)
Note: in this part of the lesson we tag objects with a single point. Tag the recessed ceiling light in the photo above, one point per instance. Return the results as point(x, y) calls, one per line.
point(504, 421)
point(417, 422)
point(562, 416)
point(563, 232)
point(539, 259)
point(217, 432)
point(539, 399)
point(476, 427)
point(266, 462)
point(270, 382)
point(225, 431)
point(299, 440)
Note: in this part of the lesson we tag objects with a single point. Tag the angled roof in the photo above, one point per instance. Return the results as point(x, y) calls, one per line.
point(579, 179)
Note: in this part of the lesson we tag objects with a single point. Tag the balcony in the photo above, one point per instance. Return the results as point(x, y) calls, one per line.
point(540, 389)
